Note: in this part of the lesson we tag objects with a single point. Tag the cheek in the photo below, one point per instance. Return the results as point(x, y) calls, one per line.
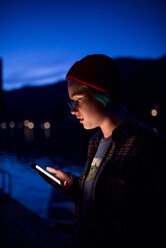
point(93, 112)
point(87, 110)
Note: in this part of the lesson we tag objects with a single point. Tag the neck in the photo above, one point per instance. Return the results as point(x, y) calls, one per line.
point(111, 122)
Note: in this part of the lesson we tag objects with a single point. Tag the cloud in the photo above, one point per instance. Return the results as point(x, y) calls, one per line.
point(19, 77)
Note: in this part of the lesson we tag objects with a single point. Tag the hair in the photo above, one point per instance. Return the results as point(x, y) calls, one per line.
point(101, 97)
point(108, 102)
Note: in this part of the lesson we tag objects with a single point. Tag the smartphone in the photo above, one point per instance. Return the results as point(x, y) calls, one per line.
point(41, 170)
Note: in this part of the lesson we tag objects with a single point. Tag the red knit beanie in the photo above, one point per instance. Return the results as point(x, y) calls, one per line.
point(97, 71)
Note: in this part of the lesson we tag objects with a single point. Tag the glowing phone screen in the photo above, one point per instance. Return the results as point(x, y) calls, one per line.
point(48, 174)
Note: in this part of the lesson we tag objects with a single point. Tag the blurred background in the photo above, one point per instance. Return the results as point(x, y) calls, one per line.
point(39, 42)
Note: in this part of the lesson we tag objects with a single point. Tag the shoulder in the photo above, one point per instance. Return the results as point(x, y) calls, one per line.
point(134, 132)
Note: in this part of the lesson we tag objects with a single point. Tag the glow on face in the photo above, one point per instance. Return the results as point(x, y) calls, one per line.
point(89, 111)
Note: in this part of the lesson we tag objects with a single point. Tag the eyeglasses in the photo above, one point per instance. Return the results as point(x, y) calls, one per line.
point(76, 103)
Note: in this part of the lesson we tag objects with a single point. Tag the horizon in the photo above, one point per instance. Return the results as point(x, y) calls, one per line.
point(61, 79)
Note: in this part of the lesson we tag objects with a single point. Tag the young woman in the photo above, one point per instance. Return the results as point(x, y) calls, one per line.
point(120, 195)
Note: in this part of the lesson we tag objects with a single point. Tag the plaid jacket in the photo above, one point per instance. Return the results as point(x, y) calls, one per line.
point(130, 186)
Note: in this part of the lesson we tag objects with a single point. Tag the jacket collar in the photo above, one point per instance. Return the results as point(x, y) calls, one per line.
point(126, 128)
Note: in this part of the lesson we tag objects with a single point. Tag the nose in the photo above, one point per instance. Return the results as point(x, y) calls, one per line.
point(74, 110)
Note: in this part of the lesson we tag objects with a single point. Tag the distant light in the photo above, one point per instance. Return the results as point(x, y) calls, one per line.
point(12, 124)
point(3, 125)
point(26, 122)
point(154, 112)
point(31, 125)
point(47, 125)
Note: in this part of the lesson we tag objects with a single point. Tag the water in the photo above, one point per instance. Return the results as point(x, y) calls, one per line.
point(61, 147)
point(27, 186)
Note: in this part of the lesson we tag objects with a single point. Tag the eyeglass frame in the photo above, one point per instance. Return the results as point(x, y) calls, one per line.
point(75, 103)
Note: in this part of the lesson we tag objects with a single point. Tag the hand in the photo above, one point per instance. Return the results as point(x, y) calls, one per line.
point(62, 176)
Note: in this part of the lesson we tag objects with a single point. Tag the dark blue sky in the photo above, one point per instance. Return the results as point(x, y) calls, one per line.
point(40, 40)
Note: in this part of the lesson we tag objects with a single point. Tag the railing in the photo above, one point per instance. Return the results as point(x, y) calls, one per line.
point(6, 182)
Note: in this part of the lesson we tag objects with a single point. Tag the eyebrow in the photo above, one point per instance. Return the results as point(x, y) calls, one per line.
point(77, 93)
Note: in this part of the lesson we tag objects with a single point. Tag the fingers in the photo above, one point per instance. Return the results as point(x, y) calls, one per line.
point(62, 176)
point(52, 170)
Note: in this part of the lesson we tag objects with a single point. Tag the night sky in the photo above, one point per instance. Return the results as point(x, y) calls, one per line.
point(41, 39)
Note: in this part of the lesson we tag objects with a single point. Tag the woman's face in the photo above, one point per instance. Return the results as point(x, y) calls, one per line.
point(89, 111)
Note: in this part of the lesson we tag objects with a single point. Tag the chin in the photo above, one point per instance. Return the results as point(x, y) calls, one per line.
point(88, 127)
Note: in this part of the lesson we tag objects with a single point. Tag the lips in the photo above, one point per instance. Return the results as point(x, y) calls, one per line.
point(80, 119)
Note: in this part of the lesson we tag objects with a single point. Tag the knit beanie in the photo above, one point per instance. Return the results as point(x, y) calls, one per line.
point(99, 72)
